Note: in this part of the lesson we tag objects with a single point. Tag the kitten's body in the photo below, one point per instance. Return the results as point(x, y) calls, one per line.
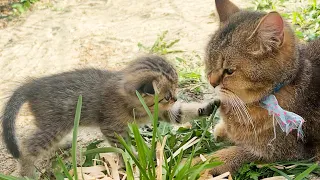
point(109, 101)
point(247, 58)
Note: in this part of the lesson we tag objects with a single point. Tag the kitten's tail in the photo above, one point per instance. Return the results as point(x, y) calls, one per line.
point(10, 113)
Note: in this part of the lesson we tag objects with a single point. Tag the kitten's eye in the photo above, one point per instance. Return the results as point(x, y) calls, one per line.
point(147, 88)
point(229, 71)
point(168, 96)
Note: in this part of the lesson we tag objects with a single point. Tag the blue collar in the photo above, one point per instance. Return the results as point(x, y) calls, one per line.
point(278, 87)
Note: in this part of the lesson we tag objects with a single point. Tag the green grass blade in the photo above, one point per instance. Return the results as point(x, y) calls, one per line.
point(181, 174)
point(57, 175)
point(64, 168)
point(196, 170)
point(281, 173)
point(306, 172)
point(75, 135)
point(141, 146)
point(176, 165)
point(104, 150)
point(146, 108)
point(172, 43)
point(154, 131)
point(211, 119)
point(154, 119)
point(129, 171)
point(314, 4)
point(122, 141)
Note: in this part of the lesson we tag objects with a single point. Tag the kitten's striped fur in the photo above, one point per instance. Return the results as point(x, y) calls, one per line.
point(109, 101)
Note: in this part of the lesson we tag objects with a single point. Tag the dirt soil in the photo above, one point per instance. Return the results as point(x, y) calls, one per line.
point(63, 35)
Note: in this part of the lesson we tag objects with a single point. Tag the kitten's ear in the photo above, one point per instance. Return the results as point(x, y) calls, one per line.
point(147, 88)
point(270, 30)
point(225, 9)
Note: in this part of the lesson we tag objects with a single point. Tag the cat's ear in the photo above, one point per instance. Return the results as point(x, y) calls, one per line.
point(147, 88)
point(270, 30)
point(225, 9)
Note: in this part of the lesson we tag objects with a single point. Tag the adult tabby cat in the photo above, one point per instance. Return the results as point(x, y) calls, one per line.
point(109, 101)
point(254, 55)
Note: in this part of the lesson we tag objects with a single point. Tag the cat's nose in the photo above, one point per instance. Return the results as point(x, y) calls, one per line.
point(214, 79)
point(173, 100)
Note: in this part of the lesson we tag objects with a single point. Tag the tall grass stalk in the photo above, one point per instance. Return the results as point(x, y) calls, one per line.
point(75, 135)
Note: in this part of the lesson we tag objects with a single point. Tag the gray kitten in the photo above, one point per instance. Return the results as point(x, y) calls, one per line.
point(109, 101)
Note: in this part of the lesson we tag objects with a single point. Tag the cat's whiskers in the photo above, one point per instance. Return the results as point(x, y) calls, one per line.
point(244, 109)
point(231, 101)
point(238, 112)
point(240, 109)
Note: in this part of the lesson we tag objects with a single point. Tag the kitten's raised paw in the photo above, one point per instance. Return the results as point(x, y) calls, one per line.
point(208, 110)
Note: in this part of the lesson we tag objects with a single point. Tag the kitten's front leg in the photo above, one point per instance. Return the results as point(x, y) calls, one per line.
point(232, 157)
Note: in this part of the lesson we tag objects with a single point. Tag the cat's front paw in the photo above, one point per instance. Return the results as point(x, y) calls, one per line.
point(220, 169)
point(232, 158)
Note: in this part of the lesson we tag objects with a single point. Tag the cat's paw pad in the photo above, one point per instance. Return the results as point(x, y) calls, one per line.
point(201, 111)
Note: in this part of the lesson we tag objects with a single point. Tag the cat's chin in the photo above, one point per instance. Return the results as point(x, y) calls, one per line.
point(225, 107)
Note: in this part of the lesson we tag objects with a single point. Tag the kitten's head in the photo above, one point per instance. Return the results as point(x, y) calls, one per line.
point(150, 74)
point(250, 53)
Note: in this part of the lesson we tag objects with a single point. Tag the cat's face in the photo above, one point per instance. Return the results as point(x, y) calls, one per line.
point(149, 75)
point(249, 54)
point(165, 89)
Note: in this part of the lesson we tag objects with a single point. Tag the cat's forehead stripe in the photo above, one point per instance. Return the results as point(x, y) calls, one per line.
point(240, 20)
point(227, 31)
point(158, 65)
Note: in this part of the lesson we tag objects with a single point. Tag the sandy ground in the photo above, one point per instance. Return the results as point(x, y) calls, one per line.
point(66, 34)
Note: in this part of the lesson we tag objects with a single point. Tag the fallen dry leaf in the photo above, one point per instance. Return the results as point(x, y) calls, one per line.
point(114, 166)
point(159, 155)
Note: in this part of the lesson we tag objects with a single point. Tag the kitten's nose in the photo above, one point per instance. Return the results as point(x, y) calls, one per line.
point(214, 79)
point(173, 99)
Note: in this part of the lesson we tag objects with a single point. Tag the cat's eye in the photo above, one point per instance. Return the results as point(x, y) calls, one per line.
point(147, 88)
point(167, 97)
point(229, 71)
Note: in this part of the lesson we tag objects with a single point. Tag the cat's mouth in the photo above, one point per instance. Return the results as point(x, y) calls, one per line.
point(236, 105)
point(225, 94)
point(244, 97)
